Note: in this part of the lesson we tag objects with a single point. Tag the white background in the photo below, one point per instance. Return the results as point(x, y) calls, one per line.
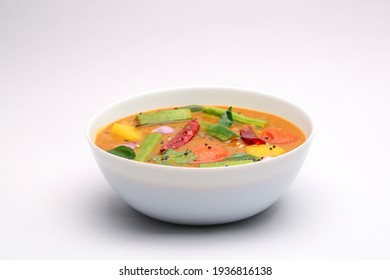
point(62, 61)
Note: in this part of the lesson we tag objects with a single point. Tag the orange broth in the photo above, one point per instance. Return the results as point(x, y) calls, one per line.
point(107, 140)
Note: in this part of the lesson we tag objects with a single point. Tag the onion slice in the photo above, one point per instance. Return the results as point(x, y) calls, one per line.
point(164, 129)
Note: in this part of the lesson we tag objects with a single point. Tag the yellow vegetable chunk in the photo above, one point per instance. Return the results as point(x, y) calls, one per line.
point(126, 131)
point(264, 150)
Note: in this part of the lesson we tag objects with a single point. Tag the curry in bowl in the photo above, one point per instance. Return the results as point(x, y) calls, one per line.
point(200, 136)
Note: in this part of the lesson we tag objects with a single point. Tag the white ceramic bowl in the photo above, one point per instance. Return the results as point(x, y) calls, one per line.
point(201, 196)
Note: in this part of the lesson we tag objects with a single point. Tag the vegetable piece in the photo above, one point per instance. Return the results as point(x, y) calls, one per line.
point(213, 110)
point(225, 163)
point(183, 137)
point(246, 120)
point(264, 150)
point(126, 131)
point(218, 131)
point(206, 153)
point(147, 146)
point(123, 151)
point(164, 129)
point(275, 135)
point(237, 117)
point(172, 157)
point(249, 137)
point(226, 118)
point(242, 156)
point(164, 116)
point(194, 108)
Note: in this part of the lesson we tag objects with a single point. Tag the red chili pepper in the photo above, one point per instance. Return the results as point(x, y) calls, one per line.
point(183, 137)
point(249, 137)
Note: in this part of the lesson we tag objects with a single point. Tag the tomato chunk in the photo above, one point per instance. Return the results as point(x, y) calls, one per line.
point(210, 153)
point(275, 135)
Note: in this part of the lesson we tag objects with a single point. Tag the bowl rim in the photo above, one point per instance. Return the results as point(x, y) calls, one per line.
point(164, 90)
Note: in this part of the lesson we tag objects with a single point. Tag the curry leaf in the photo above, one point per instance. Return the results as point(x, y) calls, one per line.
point(226, 118)
point(172, 157)
point(123, 151)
